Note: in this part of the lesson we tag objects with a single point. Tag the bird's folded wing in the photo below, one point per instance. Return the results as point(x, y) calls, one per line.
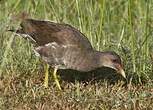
point(57, 54)
point(44, 32)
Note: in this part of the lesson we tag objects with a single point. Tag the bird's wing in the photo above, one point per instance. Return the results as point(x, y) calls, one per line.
point(67, 56)
point(59, 55)
point(43, 32)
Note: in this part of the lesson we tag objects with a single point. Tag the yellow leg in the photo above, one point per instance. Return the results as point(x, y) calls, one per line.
point(56, 79)
point(46, 76)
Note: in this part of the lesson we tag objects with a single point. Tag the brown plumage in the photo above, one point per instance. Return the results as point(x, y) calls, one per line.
point(64, 47)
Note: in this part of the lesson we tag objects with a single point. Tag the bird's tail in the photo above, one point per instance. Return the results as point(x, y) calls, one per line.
point(22, 16)
point(25, 25)
point(21, 32)
point(18, 31)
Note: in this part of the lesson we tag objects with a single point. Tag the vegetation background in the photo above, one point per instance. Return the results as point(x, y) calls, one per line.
point(125, 26)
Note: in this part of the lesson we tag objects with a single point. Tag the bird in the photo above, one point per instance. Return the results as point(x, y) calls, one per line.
point(63, 46)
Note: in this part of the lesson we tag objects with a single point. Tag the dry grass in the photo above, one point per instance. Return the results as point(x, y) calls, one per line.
point(25, 92)
point(124, 26)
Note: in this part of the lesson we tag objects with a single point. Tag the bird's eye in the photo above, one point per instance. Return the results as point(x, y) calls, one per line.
point(115, 60)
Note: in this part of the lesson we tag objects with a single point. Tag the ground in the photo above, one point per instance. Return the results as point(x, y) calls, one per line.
point(124, 26)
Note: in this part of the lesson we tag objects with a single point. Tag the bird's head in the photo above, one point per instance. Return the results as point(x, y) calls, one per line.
point(112, 60)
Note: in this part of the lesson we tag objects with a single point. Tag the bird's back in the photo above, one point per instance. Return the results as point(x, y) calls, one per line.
point(44, 32)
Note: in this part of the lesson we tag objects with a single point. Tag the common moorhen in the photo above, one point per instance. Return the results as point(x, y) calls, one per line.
point(64, 47)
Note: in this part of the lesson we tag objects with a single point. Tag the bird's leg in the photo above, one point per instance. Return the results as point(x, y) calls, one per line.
point(55, 78)
point(46, 75)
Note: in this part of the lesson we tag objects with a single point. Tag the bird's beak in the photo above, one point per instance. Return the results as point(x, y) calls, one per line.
point(118, 68)
point(121, 71)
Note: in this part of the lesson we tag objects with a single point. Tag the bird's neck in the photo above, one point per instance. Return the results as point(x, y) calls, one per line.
point(94, 56)
point(97, 58)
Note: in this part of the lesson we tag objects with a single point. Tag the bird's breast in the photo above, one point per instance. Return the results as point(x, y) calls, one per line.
point(81, 61)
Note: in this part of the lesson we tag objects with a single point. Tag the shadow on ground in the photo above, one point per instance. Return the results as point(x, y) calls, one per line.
point(100, 74)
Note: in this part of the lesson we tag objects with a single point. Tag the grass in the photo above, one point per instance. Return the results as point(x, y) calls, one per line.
point(124, 26)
